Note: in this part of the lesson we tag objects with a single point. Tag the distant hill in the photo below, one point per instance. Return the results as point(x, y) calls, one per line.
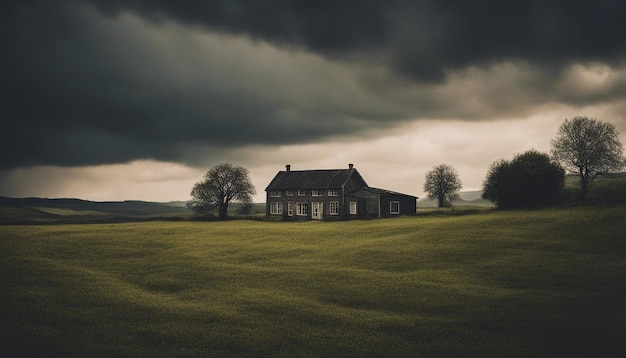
point(49, 211)
point(467, 198)
point(42, 210)
point(180, 204)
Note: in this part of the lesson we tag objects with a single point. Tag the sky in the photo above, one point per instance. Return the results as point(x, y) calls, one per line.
point(112, 100)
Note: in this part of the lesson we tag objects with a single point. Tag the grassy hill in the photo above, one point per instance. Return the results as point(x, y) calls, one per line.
point(41, 210)
point(545, 283)
point(608, 189)
point(54, 211)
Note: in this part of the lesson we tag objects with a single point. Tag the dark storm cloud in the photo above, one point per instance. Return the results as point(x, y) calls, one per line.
point(83, 85)
point(77, 90)
point(419, 38)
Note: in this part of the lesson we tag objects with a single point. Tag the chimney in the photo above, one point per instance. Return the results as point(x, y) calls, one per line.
point(288, 167)
point(350, 166)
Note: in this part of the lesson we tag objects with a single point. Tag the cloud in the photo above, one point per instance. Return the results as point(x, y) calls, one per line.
point(87, 83)
point(417, 38)
point(152, 92)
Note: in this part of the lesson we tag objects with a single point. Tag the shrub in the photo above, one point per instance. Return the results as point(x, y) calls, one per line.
point(530, 179)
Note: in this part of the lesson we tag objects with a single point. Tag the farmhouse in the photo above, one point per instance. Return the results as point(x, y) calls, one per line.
point(330, 195)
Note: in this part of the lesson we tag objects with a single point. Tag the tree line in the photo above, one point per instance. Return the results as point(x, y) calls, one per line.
point(584, 146)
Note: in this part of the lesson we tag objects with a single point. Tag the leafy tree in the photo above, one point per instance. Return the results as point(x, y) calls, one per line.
point(588, 147)
point(221, 185)
point(442, 183)
point(530, 179)
point(497, 185)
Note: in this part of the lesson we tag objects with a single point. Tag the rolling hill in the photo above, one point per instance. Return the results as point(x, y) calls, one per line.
point(43, 210)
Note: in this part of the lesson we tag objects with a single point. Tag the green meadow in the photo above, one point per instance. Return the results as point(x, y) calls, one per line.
point(544, 283)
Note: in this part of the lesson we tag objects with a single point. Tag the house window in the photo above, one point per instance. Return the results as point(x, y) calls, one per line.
point(394, 207)
point(274, 194)
point(317, 192)
point(334, 208)
point(276, 208)
point(332, 192)
point(289, 192)
point(353, 207)
point(302, 208)
point(290, 209)
point(301, 192)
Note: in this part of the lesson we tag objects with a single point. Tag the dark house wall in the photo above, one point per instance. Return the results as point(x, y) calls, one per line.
point(354, 183)
point(367, 205)
point(309, 199)
point(408, 205)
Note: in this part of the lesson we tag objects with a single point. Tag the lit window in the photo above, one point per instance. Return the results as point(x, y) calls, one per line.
point(276, 208)
point(353, 207)
point(317, 192)
point(332, 192)
point(275, 194)
point(302, 208)
point(290, 209)
point(394, 207)
point(334, 208)
point(301, 192)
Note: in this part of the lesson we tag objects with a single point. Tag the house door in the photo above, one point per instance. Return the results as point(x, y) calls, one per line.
point(318, 211)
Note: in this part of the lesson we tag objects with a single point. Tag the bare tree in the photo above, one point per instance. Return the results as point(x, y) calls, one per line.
point(588, 147)
point(442, 183)
point(221, 185)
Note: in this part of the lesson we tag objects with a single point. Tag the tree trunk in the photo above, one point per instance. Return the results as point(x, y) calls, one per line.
point(584, 183)
point(441, 201)
point(223, 210)
point(583, 187)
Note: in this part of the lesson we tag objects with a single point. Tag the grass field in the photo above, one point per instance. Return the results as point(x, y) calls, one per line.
point(548, 283)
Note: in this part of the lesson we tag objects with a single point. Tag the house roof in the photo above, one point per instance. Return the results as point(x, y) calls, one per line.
point(312, 179)
point(368, 191)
